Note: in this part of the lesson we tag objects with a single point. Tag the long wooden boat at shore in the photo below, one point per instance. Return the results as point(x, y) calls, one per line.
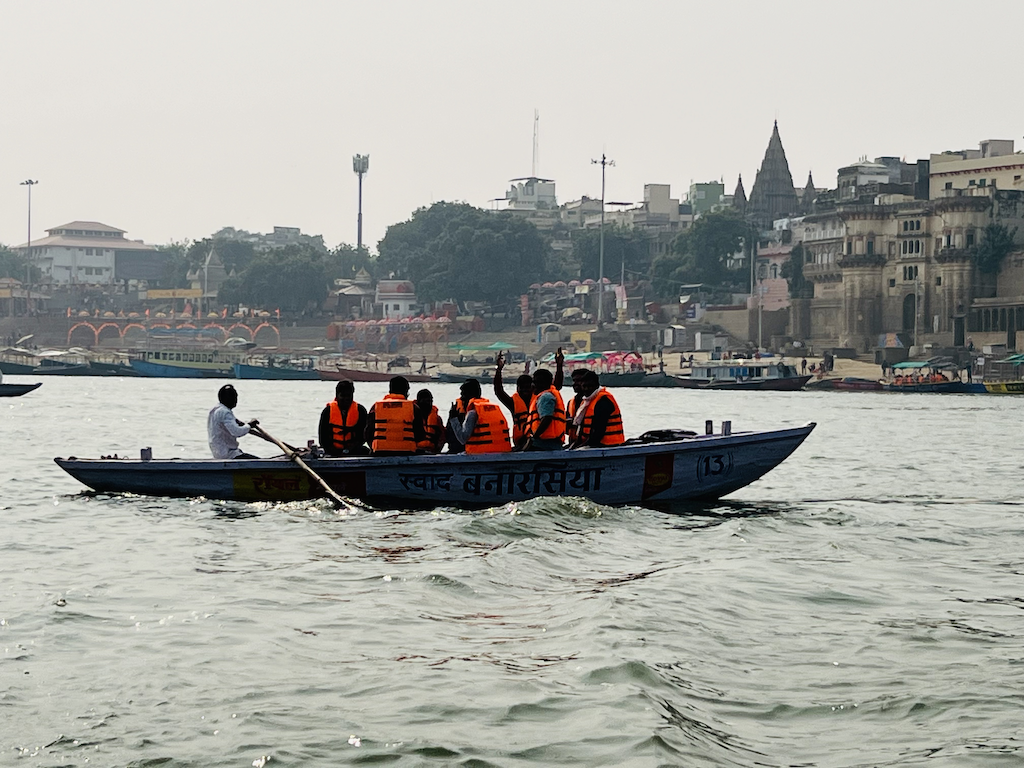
point(697, 468)
point(358, 374)
point(275, 372)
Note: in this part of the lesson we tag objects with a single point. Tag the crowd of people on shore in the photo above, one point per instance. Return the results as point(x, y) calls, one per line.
point(397, 425)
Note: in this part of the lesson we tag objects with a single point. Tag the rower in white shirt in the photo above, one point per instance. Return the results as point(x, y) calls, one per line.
point(223, 429)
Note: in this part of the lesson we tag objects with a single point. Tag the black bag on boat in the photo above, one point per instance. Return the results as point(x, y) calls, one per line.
point(661, 436)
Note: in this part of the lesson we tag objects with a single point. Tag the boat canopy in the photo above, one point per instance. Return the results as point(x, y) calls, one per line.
point(935, 363)
point(1013, 359)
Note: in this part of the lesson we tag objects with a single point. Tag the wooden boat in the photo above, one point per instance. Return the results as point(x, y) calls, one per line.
point(276, 372)
point(458, 378)
point(927, 377)
point(847, 383)
point(99, 368)
point(188, 362)
point(759, 375)
point(357, 374)
point(17, 390)
point(698, 468)
point(1005, 387)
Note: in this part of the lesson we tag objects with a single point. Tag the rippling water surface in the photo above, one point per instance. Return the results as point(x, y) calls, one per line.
point(861, 605)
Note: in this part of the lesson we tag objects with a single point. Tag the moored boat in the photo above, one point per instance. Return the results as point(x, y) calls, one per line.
point(760, 375)
point(17, 390)
point(277, 372)
point(847, 384)
point(1005, 387)
point(337, 373)
point(188, 362)
point(697, 468)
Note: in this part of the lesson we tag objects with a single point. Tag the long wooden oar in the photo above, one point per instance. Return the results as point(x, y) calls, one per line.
point(294, 456)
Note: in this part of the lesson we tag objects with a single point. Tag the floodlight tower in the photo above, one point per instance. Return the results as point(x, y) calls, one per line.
point(604, 162)
point(28, 250)
point(360, 165)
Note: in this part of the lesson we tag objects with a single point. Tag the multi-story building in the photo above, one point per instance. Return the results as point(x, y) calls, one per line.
point(706, 196)
point(993, 164)
point(281, 237)
point(91, 253)
point(899, 265)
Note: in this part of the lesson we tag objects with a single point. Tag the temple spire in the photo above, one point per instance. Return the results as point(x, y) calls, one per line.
point(739, 197)
point(810, 193)
point(772, 196)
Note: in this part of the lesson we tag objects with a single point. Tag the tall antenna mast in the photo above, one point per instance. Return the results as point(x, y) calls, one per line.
point(536, 144)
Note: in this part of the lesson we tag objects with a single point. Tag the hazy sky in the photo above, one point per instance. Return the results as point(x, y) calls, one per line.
point(173, 119)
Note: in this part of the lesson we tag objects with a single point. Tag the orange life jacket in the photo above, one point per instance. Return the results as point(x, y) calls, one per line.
point(570, 413)
point(520, 416)
point(613, 432)
point(392, 429)
point(434, 429)
point(490, 434)
point(343, 427)
point(556, 427)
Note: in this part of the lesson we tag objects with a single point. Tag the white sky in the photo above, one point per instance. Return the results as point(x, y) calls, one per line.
point(173, 119)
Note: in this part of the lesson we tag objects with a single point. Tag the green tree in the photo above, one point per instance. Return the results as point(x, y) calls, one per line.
point(622, 246)
point(293, 278)
point(176, 265)
point(997, 241)
point(453, 250)
point(793, 270)
point(16, 265)
point(346, 260)
point(235, 255)
point(700, 254)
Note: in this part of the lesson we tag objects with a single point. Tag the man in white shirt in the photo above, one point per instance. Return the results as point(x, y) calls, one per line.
point(223, 429)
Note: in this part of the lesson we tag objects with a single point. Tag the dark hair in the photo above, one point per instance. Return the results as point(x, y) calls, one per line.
point(579, 373)
point(345, 385)
point(399, 386)
point(226, 393)
point(542, 379)
point(425, 396)
point(525, 381)
point(591, 377)
point(471, 387)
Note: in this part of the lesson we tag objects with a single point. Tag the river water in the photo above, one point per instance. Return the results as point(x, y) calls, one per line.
point(861, 605)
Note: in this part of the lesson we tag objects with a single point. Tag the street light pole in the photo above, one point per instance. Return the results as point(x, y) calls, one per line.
point(604, 162)
point(360, 166)
point(28, 248)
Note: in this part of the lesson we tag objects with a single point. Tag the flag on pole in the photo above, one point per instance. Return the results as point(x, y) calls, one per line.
point(278, 310)
point(224, 312)
point(69, 311)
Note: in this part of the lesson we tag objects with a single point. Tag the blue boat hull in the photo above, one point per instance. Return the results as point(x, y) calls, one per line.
point(160, 371)
point(243, 371)
point(699, 468)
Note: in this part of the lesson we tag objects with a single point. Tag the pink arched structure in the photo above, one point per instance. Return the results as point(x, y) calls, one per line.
point(91, 331)
point(101, 332)
point(260, 327)
point(231, 330)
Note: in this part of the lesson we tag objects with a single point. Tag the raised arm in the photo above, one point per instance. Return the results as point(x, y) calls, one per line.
point(499, 389)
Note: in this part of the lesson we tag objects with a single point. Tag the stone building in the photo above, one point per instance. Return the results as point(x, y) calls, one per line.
point(900, 265)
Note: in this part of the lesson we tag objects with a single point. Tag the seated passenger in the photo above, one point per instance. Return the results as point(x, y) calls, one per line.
point(343, 423)
point(598, 421)
point(457, 413)
point(484, 430)
point(546, 428)
point(433, 425)
point(393, 426)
